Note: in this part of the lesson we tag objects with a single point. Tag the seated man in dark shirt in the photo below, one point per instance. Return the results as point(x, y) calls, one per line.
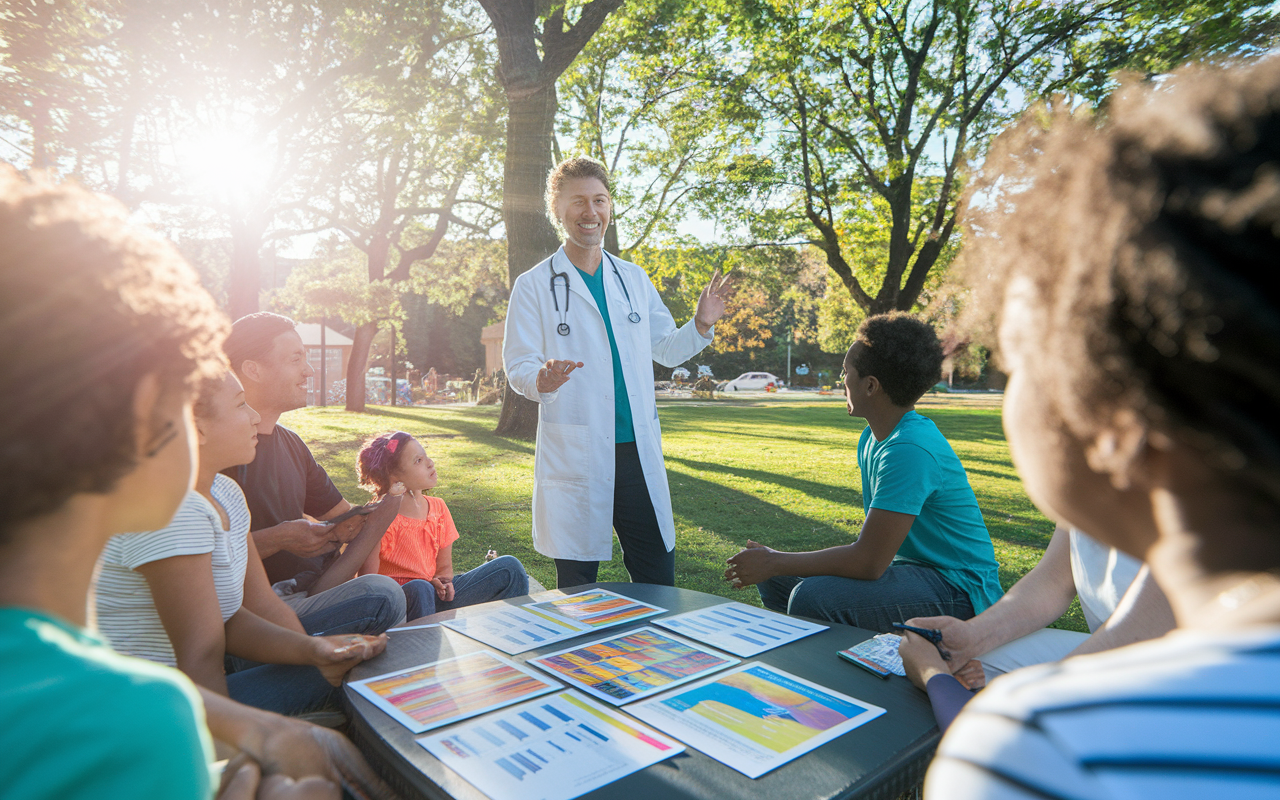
point(284, 485)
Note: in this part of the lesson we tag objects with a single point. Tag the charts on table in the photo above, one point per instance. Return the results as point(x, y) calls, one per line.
point(755, 718)
point(740, 629)
point(633, 665)
point(433, 695)
point(553, 748)
point(596, 608)
point(514, 629)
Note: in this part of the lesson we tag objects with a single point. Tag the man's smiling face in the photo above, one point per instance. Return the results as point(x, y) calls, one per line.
point(583, 208)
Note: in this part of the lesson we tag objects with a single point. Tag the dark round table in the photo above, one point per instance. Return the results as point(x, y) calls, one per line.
point(881, 759)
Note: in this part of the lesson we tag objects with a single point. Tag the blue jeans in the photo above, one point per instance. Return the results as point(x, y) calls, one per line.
point(902, 592)
point(498, 579)
point(367, 604)
point(283, 688)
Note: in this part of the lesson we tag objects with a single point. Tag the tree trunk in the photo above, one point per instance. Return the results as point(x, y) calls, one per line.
point(530, 236)
point(245, 280)
point(519, 417)
point(361, 344)
point(530, 84)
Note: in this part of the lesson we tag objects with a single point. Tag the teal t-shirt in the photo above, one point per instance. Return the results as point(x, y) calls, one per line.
point(623, 429)
point(81, 721)
point(915, 471)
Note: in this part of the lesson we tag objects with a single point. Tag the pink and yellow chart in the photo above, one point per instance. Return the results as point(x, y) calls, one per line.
point(437, 694)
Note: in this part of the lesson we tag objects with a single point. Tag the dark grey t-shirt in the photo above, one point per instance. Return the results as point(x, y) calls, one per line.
point(282, 483)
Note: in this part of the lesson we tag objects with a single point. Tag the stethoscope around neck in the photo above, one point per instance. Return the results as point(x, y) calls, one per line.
point(563, 327)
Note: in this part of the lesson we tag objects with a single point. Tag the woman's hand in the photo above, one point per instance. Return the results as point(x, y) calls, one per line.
point(336, 655)
point(957, 637)
point(972, 675)
point(242, 780)
point(920, 659)
point(444, 587)
point(752, 565)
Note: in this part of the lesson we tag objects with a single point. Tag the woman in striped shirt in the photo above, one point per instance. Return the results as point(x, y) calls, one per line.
point(191, 593)
point(1131, 268)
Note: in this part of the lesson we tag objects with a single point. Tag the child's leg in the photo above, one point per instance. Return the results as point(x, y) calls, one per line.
point(419, 599)
point(498, 579)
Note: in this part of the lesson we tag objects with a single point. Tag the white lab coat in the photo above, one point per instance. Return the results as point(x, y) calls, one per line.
point(573, 470)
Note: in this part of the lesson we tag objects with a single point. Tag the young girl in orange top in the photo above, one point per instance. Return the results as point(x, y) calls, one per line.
point(417, 550)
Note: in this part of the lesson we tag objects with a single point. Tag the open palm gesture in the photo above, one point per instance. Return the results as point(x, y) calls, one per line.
point(711, 303)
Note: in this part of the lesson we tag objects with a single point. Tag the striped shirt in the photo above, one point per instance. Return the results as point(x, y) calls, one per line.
point(127, 616)
point(410, 546)
point(1193, 715)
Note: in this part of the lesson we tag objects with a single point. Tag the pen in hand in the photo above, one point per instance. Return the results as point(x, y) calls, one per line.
point(932, 634)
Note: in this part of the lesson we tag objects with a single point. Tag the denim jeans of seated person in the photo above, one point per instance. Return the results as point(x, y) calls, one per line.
point(902, 592)
point(368, 604)
point(498, 579)
point(283, 688)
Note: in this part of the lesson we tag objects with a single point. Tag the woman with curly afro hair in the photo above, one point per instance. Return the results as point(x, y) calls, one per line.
point(1129, 267)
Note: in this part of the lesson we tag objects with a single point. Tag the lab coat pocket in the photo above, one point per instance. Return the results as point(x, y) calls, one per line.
point(564, 452)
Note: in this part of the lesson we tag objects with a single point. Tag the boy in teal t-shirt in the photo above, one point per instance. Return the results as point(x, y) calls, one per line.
point(923, 549)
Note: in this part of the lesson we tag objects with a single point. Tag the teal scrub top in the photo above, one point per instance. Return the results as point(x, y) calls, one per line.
point(624, 430)
point(915, 471)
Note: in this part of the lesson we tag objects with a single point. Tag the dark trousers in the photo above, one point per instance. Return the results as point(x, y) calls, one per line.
point(643, 552)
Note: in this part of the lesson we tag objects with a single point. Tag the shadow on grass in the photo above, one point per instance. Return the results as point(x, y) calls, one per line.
point(481, 433)
point(845, 495)
point(734, 516)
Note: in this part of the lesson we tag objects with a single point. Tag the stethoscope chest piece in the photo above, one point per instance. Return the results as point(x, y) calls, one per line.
point(563, 329)
point(634, 316)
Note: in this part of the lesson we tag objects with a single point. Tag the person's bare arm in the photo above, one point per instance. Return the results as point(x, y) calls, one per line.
point(372, 563)
point(291, 747)
point(1042, 595)
point(250, 636)
point(1143, 613)
point(358, 549)
point(187, 601)
point(261, 599)
point(866, 559)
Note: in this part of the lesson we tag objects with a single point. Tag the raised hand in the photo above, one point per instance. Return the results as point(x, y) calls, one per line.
point(555, 374)
point(711, 303)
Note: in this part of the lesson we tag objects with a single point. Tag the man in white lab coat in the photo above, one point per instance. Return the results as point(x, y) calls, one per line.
point(582, 330)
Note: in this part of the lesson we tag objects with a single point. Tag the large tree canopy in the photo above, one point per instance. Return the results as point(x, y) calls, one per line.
point(878, 107)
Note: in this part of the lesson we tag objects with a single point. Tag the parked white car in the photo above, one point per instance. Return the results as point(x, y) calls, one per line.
point(748, 381)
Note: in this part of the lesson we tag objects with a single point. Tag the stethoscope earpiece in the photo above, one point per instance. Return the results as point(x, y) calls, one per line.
point(563, 327)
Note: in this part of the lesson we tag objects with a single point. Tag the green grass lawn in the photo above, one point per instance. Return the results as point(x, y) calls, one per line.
point(780, 471)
